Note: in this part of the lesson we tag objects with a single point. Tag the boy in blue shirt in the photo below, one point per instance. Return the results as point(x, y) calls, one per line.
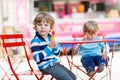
point(45, 50)
point(91, 53)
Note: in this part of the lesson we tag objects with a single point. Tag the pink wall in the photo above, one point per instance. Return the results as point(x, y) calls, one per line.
point(69, 28)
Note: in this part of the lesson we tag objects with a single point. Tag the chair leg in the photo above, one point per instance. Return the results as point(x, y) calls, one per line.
point(12, 68)
point(41, 77)
point(51, 78)
point(5, 73)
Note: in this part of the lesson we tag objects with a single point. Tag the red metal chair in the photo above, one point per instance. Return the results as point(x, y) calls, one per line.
point(79, 67)
point(12, 41)
point(3, 70)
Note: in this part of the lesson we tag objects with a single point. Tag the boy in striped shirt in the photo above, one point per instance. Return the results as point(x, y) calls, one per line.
point(45, 50)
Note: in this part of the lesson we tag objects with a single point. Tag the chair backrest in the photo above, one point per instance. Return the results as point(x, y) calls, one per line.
point(10, 42)
point(14, 40)
point(81, 35)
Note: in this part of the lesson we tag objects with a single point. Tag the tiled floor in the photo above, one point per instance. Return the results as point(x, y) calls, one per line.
point(115, 74)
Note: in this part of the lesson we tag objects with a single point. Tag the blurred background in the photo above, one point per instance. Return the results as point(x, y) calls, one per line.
point(16, 16)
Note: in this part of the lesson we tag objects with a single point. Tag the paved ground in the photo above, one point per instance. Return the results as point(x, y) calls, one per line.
point(115, 72)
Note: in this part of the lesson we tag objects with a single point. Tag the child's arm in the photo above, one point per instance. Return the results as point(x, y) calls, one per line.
point(53, 45)
point(106, 48)
point(76, 49)
point(78, 46)
point(104, 56)
point(105, 51)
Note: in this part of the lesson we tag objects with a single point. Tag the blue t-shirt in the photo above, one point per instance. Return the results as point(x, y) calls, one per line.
point(91, 49)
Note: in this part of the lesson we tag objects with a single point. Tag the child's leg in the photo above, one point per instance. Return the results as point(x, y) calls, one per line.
point(69, 72)
point(59, 72)
point(98, 60)
point(88, 63)
point(101, 63)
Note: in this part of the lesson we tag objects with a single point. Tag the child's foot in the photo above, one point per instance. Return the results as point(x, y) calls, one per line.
point(90, 71)
point(101, 67)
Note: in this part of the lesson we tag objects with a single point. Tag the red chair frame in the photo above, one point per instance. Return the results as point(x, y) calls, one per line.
point(14, 44)
point(82, 42)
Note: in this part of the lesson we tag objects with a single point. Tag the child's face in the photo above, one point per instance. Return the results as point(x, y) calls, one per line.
point(90, 36)
point(43, 28)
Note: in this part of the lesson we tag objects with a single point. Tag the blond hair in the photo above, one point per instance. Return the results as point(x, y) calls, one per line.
point(43, 16)
point(90, 27)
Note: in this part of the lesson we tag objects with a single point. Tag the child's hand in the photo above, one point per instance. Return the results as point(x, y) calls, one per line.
point(104, 56)
point(52, 44)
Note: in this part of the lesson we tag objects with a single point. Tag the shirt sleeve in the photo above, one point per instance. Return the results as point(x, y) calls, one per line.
point(39, 50)
point(56, 50)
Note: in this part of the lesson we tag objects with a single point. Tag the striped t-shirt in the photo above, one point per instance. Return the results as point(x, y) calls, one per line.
point(42, 54)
